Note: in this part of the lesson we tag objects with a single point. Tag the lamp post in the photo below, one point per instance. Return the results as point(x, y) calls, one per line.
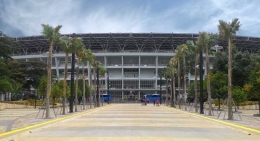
point(201, 82)
point(108, 84)
point(72, 82)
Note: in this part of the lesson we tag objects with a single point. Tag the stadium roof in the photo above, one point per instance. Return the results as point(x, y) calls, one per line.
point(131, 42)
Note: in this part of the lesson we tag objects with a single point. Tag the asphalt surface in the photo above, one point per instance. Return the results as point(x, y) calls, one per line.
point(125, 122)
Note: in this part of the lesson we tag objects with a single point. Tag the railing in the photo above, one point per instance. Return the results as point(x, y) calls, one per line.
point(146, 87)
point(147, 65)
point(131, 75)
point(131, 64)
point(114, 65)
point(162, 64)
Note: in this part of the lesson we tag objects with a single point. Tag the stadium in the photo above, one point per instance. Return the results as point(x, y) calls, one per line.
point(134, 60)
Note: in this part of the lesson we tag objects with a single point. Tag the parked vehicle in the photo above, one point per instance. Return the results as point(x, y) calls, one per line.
point(151, 97)
point(106, 97)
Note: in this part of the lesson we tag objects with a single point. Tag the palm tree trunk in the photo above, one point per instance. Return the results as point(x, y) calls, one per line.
point(95, 87)
point(184, 78)
point(90, 85)
point(84, 87)
point(65, 85)
point(196, 83)
point(259, 105)
point(208, 81)
point(173, 89)
point(49, 81)
point(102, 92)
point(229, 80)
point(171, 97)
point(166, 100)
point(179, 83)
point(76, 89)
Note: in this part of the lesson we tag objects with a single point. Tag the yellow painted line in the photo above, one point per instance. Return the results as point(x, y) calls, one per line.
point(217, 120)
point(49, 122)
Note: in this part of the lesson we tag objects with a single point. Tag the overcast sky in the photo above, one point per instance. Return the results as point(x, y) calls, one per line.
point(24, 17)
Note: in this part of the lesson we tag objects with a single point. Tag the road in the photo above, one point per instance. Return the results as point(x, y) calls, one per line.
point(133, 122)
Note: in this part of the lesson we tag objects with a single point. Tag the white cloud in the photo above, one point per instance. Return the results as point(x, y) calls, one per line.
point(85, 17)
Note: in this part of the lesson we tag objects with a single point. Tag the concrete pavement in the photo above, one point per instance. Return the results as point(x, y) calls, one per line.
point(136, 122)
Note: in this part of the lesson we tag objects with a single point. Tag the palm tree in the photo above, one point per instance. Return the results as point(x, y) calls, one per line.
point(52, 35)
point(206, 41)
point(78, 48)
point(228, 31)
point(184, 52)
point(66, 47)
point(166, 74)
point(95, 66)
point(195, 50)
point(102, 72)
point(83, 59)
point(177, 57)
point(172, 64)
point(91, 59)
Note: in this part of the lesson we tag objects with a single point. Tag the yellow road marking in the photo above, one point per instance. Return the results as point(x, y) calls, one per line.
point(220, 121)
point(48, 122)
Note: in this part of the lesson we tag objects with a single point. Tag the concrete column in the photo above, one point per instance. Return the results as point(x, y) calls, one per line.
point(105, 64)
point(156, 71)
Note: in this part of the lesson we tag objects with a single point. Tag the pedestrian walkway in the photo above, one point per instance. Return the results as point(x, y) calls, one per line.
point(127, 122)
point(14, 118)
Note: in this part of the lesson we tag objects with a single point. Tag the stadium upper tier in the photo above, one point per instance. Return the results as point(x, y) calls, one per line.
point(130, 42)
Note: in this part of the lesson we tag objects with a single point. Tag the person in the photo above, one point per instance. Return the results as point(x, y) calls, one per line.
point(154, 102)
point(157, 102)
point(142, 101)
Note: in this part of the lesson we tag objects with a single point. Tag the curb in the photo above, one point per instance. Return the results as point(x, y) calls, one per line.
point(218, 121)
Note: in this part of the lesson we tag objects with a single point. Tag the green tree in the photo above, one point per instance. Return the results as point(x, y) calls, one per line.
point(84, 58)
point(177, 56)
point(95, 66)
point(102, 72)
point(252, 88)
point(78, 48)
point(65, 43)
point(241, 68)
point(206, 41)
point(194, 55)
point(52, 35)
point(218, 82)
point(42, 89)
point(7, 47)
point(184, 51)
point(172, 65)
point(238, 95)
point(228, 31)
point(34, 69)
point(220, 62)
point(56, 92)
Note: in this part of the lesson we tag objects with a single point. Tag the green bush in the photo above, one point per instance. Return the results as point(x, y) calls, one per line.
point(216, 102)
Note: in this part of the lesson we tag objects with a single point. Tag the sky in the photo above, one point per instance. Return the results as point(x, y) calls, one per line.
point(20, 18)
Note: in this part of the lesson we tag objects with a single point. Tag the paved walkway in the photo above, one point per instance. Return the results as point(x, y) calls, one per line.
point(121, 122)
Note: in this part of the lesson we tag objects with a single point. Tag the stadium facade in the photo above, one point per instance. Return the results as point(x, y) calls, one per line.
point(134, 60)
